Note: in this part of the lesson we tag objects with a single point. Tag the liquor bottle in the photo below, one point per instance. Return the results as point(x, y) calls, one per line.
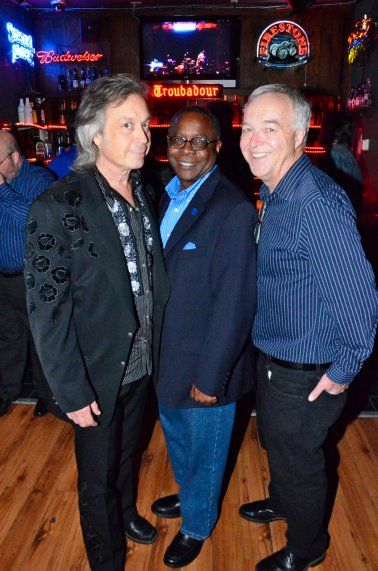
point(60, 145)
point(69, 80)
point(48, 146)
point(28, 111)
point(94, 74)
point(41, 118)
point(39, 148)
point(62, 82)
point(82, 79)
point(235, 111)
point(106, 71)
point(75, 80)
point(88, 79)
point(21, 111)
point(62, 113)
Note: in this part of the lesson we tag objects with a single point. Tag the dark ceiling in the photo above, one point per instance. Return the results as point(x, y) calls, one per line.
point(136, 5)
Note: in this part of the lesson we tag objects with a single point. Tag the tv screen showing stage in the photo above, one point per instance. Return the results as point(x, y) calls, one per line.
point(189, 49)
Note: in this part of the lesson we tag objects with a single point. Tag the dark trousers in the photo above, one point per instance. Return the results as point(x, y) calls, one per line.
point(105, 479)
point(16, 340)
point(293, 431)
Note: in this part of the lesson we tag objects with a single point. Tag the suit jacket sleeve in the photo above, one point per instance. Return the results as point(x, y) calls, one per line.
point(48, 269)
point(233, 300)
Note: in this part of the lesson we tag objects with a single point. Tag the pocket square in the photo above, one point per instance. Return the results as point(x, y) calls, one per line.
point(190, 246)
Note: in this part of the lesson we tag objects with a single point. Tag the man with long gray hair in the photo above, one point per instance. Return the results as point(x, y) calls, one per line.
point(96, 290)
point(315, 323)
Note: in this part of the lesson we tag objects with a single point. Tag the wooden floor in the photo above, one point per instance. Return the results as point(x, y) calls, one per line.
point(39, 524)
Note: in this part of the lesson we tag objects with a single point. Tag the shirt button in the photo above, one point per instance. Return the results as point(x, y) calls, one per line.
point(176, 210)
point(123, 363)
point(129, 334)
point(143, 265)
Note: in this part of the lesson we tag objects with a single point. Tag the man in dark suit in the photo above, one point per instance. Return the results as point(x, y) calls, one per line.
point(96, 290)
point(206, 354)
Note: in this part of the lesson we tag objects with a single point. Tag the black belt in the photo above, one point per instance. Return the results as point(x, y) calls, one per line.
point(11, 274)
point(297, 366)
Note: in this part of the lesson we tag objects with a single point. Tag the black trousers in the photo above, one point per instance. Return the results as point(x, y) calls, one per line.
point(105, 479)
point(293, 431)
point(16, 340)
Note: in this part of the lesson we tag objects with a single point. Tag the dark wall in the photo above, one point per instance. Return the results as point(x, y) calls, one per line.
point(116, 35)
point(118, 38)
point(16, 78)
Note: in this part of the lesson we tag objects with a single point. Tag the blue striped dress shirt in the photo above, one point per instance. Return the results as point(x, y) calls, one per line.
point(15, 201)
point(317, 300)
point(178, 203)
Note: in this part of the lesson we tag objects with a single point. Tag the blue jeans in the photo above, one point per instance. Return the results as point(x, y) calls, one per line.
point(293, 431)
point(198, 440)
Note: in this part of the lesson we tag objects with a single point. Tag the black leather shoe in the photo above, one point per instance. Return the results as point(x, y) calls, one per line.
point(284, 560)
point(262, 511)
point(140, 530)
point(182, 551)
point(4, 406)
point(169, 507)
point(40, 408)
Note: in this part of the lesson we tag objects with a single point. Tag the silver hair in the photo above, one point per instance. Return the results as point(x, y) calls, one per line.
point(301, 107)
point(90, 116)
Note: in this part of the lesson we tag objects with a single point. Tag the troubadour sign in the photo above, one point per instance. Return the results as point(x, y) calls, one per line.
point(283, 44)
point(195, 91)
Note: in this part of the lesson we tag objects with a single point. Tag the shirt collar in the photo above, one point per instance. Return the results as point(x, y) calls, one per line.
point(173, 187)
point(285, 189)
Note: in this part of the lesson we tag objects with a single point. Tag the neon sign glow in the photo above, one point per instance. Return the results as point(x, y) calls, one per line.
point(176, 91)
point(66, 57)
point(283, 44)
point(358, 40)
point(22, 45)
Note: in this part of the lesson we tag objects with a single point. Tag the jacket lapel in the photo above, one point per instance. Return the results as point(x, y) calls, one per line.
point(105, 238)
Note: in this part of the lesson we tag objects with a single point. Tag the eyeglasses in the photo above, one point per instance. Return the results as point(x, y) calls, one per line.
point(258, 226)
point(5, 158)
point(197, 143)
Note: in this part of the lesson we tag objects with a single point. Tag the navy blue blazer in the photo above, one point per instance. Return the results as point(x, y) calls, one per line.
point(206, 336)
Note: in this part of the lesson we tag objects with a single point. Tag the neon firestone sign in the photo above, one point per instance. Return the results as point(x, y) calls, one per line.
point(283, 44)
point(22, 45)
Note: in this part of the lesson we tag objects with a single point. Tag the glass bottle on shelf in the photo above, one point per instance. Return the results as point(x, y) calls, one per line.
point(82, 79)
point(75, 80)
point(28, 111)
point(62, 113)
point(94, 74)
point(39, 148)
point(69, 80)
point(49, 151)
point(88, 79)
point(21, 111)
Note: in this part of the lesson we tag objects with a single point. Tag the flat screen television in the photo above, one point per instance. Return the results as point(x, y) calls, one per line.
point(203, 49)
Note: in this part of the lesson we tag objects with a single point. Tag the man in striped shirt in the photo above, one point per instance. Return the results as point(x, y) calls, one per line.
point(315, 322)
point(20, 184)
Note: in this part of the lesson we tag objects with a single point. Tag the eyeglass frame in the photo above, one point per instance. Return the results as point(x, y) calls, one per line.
point(207, 141)
point(5, 158)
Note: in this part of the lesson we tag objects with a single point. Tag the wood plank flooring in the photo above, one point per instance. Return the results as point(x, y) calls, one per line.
point(39, 523)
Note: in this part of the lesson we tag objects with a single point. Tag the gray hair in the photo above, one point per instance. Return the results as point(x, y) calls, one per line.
point(201, 111)
point(90, 116)
point(301, 107)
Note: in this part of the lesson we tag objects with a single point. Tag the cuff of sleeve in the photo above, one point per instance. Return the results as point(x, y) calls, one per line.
point(338, 376)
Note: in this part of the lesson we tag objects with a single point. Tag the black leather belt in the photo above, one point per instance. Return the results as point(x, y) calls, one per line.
point(297, 366)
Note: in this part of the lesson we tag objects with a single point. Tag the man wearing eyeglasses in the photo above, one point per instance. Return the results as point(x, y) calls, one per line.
point(315, 324)
point(206, 361)
point(20, 184)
